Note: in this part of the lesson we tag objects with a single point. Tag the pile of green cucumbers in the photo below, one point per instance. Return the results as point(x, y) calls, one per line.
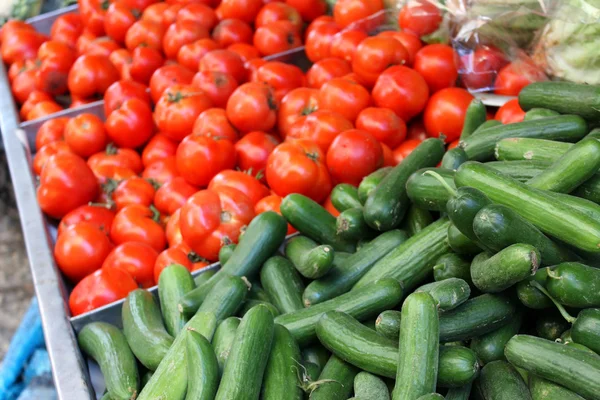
point(476, 279)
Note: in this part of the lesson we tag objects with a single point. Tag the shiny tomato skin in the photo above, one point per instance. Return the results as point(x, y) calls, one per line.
point(224, 61)
point(217, 86)
point(242, 181)
point(246, 51)
point(346, 12)
point(98, 216)
point(122, 157)
point(214, 154)
point(321, 127)
point(45, 152)
point(131, 125)
point(55, 59)
point(172, 230)
point(21, 45)
point(510, 112)
point(25, 83)
point(319, 39)
point(214, 123)
point(181, 33)
point(277, 37)
point(411, 42)
point(353, 154)
point(515, 76)
point(158, 148)
point(345, 43)
point(43, 109)
point(344, 97)
point(445, 113)
point(85, 135)
point(435, 63)
point(231, 31)
point(309, 9)
point(170, 256)
point(278, 11)
point(144, 61)
point(383, 124)
point(479, 68)
point(245, 10)
point(405, 148)
point(137, 259)
point(134, 190)
point(162, 170)
point(32, 100)
point(328, 205)
point(167, 76)
point(296, 105)
point(50, 131)
point(253, 150)
point(137, 223)
point(388, 156)
point(172, 195)
point(190, 54)
point(123, 90)
point(402, 90)
point(91, 75)
point(145, 34)
point(374, 55)
point(67, 28)
point(325, 70)
point(420, 17)
point(272, 202)
point(252, 107)
point(282, 77)
point(199, 13)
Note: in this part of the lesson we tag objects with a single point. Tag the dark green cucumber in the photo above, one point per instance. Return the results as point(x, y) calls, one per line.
point(539, 113)
point(551, 216)
point(361, 303)
point(475, 317)
point(336, 380)
point(452, 265)
point(224, 338)
point(247, 361)
point(497, 227)
point(309, 373)
point(490, 346)
point(550, 325)
point(571, 169)
point(202, 367)
point(458, 366)
point(529, 295)
point(107, 345)
point(370, 387)
point(513, 149)
point(487, 124)
point(500, 381)
point(589, 189)
point(521, 170)
point(572, 368)
point(388, 324)
point(144, 329)
point(419, 347)
point(431, 396)
point(454, 158)
point(175, 282)
point(462, 208)
point(351, 225)
point(310, 259)
point(370, 182)
point(263, 237)
point(281, 378)
point(204, 276)
point(312, 220)
point(426, 192)
point(574, 284)
point(170, 380)
point(281, 281)
point(563, 97)
point(257, 292)
point(250, 304)
point(345, 196)
point(416, 220)
point(317, 355)
point(474, 117)
point(413, 260)
point(495, 273)
point(226, 252)
point(345, 274)
point(386, 205)
point(226, 297)
point(570, 128)
point(448, 294)
point(461, 244)
point(461, 393)
point(543, 389)
point(586, 329)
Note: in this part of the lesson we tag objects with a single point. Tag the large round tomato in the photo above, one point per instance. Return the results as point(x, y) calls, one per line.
point(24, 84)
point(478, 68)
point(383, 124)
point(321, 127)
point(20, 45)
point(345, 43)
point(137, 223)
point(344, 97)
point(33, 99)
point(353, 155)
point(162, 170)
point(346, 12)
point(85, 134)
point(122, 90)
point(91, 75)
point(137, 259)
point(98, 216)
point(246, 51)
point(217, 86)
point(224, 61)
point(298, 167)
point(214, 123)
point(411, 42)
point(435, 63)
point(213, 154)
point(50, 131)
point(67, 28)
point(131, 125)
point(180, 33)
point(510, 112)
point(178, 255)
point(243, 181)
point(309, 9)
point(167, 76)
point(80, 250)
point(212, 218)
point(318, 40)
point(144, 61)
point(126, 158)
point(246, 10)
point(420, 17)
point(374, 55)
point(190, 54)
point(134, 190)
point(158, 148)
point(172, 195)
point(402, 151)
point(252, 107)
point(402, 90)
point(277, 37)
point(46, 152)
point(55, 59)
point(445, 113)
point(253, 150)
point(93, 13)
point(120, 16)
point(282, 77)
point(231, 31)
point(199, 13)
point(43, 109)
point(325, 70)
point(296, 105)
point(277, 11)
point(272, 203)
point(515, 76)
point(145, 34)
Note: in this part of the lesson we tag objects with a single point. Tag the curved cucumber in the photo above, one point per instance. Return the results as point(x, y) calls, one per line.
point(463, 207)
point(500, 381)
point(281, 378)
point(490, 346)
point(387, 324)
point(202, 367)
point(370, 182)
point(574, 285)
point(370, 387)
point(175, 282)
point(542, 389)
point(586, 329)
point(281, 281)
point(224, 338)
point(310, 259)
point(351, 225)
point(345, 196)
point(447, 294)
point(426, 192)
point(474, 117)
point(336, 380)
point(563, 97)
point(452, 265)
point(226, 297)
point(416, 220)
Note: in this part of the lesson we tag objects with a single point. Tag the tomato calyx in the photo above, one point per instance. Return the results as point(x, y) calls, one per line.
point(195, 258)
point(308, 110)
point(104, 5)
point(271, 102)
point(155, 184)
point(155, 214)
point(313, 156)
point(109, 186)
point(178, 96)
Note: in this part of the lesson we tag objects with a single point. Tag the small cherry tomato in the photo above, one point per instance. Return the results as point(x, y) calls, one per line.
point(137, 223)
point(134, 190)
point(253, 150)
point(214, 123)
point(445, 113)
point(277, 37)
point(230, 31)
point(172, 195)
point(158, 148)
point(405, 149)
point(91, 75)
point(402, 90)
point(122, 90)
point(344, 97)
point(242, 181)
point(515, 76)
point(213, 154)
point(435, 63)
point(420, 17)
point(167, 76)
point(353, 154)
point(321, 127)
point(346, 12)
point(50, 131)
point(85, 134)
point(131, 125)
point(98, 216)
point(510, 112)
point(325, 70)
point(137, 259)
point(383, 124)
point(45, 152)
point(161, 171)
point(252, 107)
point(190, 54)
point(217, 86)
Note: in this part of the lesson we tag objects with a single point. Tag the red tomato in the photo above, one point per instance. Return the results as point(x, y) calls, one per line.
point(180, 33)
point(374, 55)
point(344, 97)
point(122, 60)
point(253, 150)
point(162, 170)
point(214, 123)
point(106, 173)
point(190, 54)
point(33, 99)
point(321, 127)
point(161, 13)
point(478, 68)
point(411, 42)
point(309, 9)
point(212, 153)
point(55, 60)
point(319, 39)
point(131, 125)
point(453, 144)
point(515, 76)
point(172, 195)
point(328, 205)
point(173, 232)
point(435, 63)
point(271, 203)
point(120, 16)
point(122, 90)
point(325, 70)
point(98, 216)
point(510, 112)
point(420, 17)
point(66, 183)
point(51, 131)
point(101, 46)
point(45, 152)
point(282, 77)
point(353, 155)
point(85, 135)
point(242, 181)
point(137, 223)
point(126, 158)
point(405, 149)
point(402, 90)
point(43, 109)
point(145, 34)
point(80, 250)
point(246, 10)
point(246, 52)
point(252, 107)
point(388, 156)
point(24, 84)
point(345, 43)
point(144, 61)
point(298, 167)
point(230, 31)
point(224, 61)
point(217, 86)
point(170, 256)
point(200, 14)
point(346, 12)
point(295, 106)
point(277, 37)
point(167, 76)
point(67, 28)
point(137, 259)
point(20, 45)
point(93, 13)
point(383, 124)
point(158, 148)
point(100, 288)
point(416, 130)
point(91, 75)
point(277, 11)
point(445, 113)
point(134, 190)
point(211, 218)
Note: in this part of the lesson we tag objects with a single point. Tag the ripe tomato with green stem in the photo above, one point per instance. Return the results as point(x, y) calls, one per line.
point(224, 61)
point(145, 33)
point(123, 90)
point(277, 37)
point(217, 86)
point(344, 97)
point(435, 63)
point(115, 156)
point(180, 33)
point(172, 195)
point(230, 31)
point(178, 255)
point(91, 75)
point(157, 148)
point(213, 154)
point(131, 125)
point(325, 70)
point(214, 123)
point(445, 113)
point(134, 190)
point(353, 154)
point(167, 76)
point(137, 223)
point(280, 76)
point(321, 127)
point(402, 90)
point(253, 150)
point(252, 107)
point(99, 216)
point(137, 259)
point(245, 182)
point(85, 135)
point(93, 13)
point(272, 202)
point(296, 106)
point(383, 124)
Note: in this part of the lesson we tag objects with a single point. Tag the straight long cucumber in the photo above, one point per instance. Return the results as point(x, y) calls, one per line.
point(543, 389)
point(563, 97)
point(513, 149)
point(175, 282)
point(426, 192)
point(281, 281)
point(281, 378)
point(202, 367)
point(226, 297)
point(336, 380)
point(224, 338)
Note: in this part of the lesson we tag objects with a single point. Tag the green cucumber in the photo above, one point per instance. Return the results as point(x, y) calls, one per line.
point(454, 158)
point(550, 325)
point(281, 378)
point(539, 113)
point(224, 338)
point(351, 225)
point(543, 389)
point(521, 170)
point(387, 324)
point(281, 281)
point(458, 366)
point(447, 294)
point(513, 149)
point(370, 387)
point(310, 373)
point(263, 237)
point(370, 182)
point(474, 117)
point(144, 329)
point(574, 284)
point(570, 128)
point(452, 265)
point(562, 97)
point(317, 355)
point(310, 259)
point(413, 260)
point(590, 189)
point(257, 292)
point(475, 317)
point(495, 273)
point(426, 192)
point(572, 368)
point(226, 297)
point(336, 380)
point(345, 196)
point(419, 347)
point(586, 329)
point(594, 133)
point(170, 380)
point(461, 393)
point(204, 276)
point(487, 124)
point(226, 252)
point(551, 216)
point(247, 361)
point(175, 282)
point(461, 244)
point(490, 346)
point(431, 396)
point(416, 220)
point(500, 381)
point(107, 345)
point(573, 168)
point(462, 208)
point(346, 273)
point(497, 227)
point(250, 304)
point(312, 220)
point(361, 303)
point(386, 205)
point(202, 367)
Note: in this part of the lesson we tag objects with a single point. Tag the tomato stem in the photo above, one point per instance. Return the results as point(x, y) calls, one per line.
point(155, 213)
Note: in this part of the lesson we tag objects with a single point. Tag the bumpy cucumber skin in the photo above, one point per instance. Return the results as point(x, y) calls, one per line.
point(338, 378)
point(458, 366)
point(419, 347)
point(106, 344)
point(572, 368)
point(345, 196)
point(490, 346)
point(370, 387)
point(388, 324)
point(174, 282)
point(543, 389)
point(202, 367)
point(310, 259)
point(223, 339)
point(281, 374)
point(500, 381)
point(586, 329)
point(574, 285)
point(452, 265)
point(144, 329)
point(370, 182)
point(281, 281)
point(416, 220)
point(426, 192)
point(448, 294)
point(226, 297)
point(226, 252)
point(461, 244)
